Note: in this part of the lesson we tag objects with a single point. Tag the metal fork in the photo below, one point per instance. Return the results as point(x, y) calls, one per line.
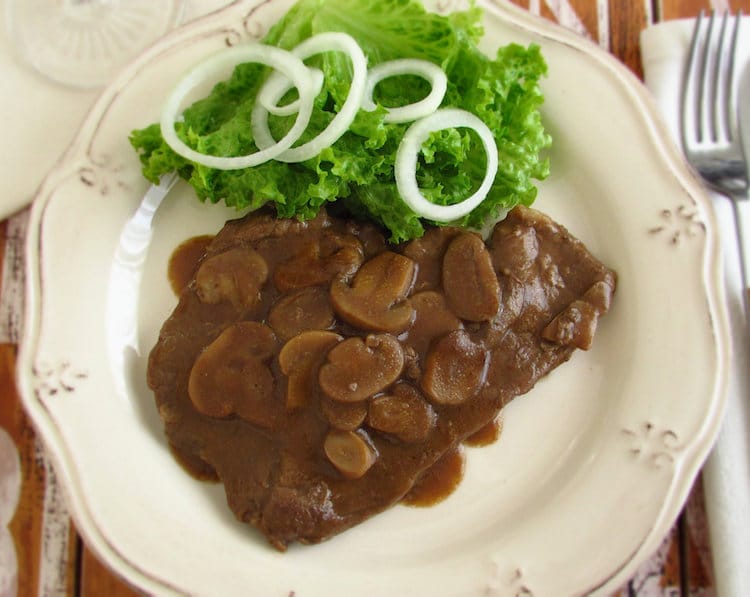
point(710, 128)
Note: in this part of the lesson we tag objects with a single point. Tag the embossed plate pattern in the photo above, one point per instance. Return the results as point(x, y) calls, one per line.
point(593, 465)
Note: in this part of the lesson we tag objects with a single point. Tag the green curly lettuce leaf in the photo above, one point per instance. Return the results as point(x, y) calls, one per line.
point(357, 170)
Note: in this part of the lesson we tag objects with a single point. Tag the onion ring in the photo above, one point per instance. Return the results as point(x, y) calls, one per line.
point(406, 163)
point(323, 42)
point(407, 66)
point(275, 87)
point(283, 61)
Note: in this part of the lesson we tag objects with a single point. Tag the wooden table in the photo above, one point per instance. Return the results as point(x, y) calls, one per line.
point(51, 557)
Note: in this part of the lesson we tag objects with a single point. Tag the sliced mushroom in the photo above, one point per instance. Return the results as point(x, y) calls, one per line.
point(349, 452)
point(599, 295)
point(300, 359)
point(513, 297)
point(432, 319)
point(305, 309)
point(514, 249)
point(455, 369)
point(346, 416)
point(376, 300)
point(427, 252)
point(371, 237)
point(576, 324)
point(232, 375)
point(469, 280)
point(334, 256)
point(356, 368)
point(236, 275)
point(403, 413)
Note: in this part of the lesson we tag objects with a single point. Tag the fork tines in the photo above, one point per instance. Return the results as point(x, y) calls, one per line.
point(709, 79)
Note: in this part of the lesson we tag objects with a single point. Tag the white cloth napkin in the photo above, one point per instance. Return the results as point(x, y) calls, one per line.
point(40, 118)
point(726, 475)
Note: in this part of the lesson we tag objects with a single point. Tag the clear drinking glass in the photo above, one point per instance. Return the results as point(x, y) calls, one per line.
point(84, 42)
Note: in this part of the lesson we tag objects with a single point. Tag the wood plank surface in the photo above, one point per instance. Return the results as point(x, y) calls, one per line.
point(38, 574)
point(676, 9)
point(626, 21)
point(52, 560)
point(96, 579)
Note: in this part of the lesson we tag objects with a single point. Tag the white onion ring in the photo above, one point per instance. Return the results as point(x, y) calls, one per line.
point(406, 163)
point(323, 42)
point(275, 87)
point(407, 66)
point(276, 58)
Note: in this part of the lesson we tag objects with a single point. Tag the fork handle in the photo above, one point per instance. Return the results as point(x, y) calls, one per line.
point(741, 212)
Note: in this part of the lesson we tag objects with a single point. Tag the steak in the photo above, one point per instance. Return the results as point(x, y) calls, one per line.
point(318, 372)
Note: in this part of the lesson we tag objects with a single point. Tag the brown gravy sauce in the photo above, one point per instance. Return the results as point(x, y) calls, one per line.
point(194, 466)
point(438, 481)
point(184, 261)
point(487, 434)
point(442, 479)
point(435, 485)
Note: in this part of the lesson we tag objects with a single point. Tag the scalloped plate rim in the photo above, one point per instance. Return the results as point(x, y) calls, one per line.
point(672, 161)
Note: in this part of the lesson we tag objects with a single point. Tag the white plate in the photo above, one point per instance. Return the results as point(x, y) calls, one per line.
point(593, 465)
